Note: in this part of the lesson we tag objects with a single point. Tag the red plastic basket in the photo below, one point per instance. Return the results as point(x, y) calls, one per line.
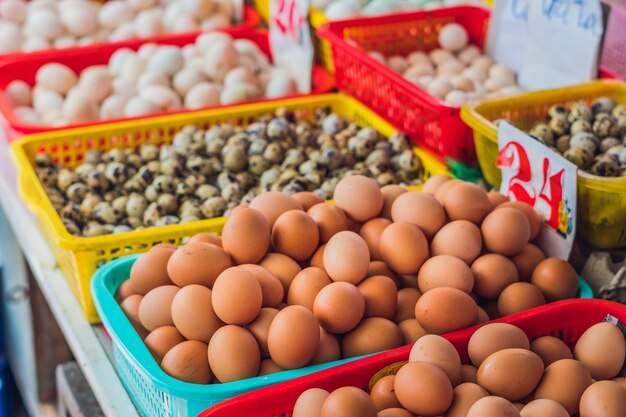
point(78, 59)
point(251, 20)
point(566, 320)
point(614, 50)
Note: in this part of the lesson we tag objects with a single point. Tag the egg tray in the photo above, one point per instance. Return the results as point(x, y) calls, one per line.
point(566, 320)
point(601, 200)
point(78, 59)
point(79, 257)
point(154, 393)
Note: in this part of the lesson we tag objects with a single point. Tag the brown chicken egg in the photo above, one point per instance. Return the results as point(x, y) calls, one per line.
point(440, 352)
point(125, 290)
point(602, 349)
point(527, 260)
point(443, 310)
point(269, 367)
point(459, 238)
point(233, 354)
point(493, 406)
point(193, 314)
point(246, 236)
point(519, 296)
point(505, 230)
point(155, 309)
point(492, 274)
point(207, 238)
point(469, 373)
point(557, 279)
point(359, 196)
point(511, 373)
point(237, 296)
point(197, 263)
point(330, 220)
point(550, 349)
point(274, 203)
point(309, 403)
point(307, 199)
point(411, 331)
point(371, 232)
point(381, 268)
point(282, 266)
point(346, 257)
point(420, 209)
point(306, 285)
point(603, 399)
point(423, 389)
point(150, 270)
point(494, 337)
point(188, 362)
point(328, 350)
point(291, 352)
point(432, 184)
point(161, 340)
point(394, 412)
point(407, 298)
point(534, 220)
point(260, 327)
point(339, 307)
point(483, 317)
point(348, 402)
point(295, 234)
point(445, 271)
point(271, 287)
point(464, 397)
point(414, 248)
point(130, 307)
point(383, 393)
point(390, 194)
point(381, 296)
point(495, 198)
point(544, 408)
point(317, 260)
point(370, 336)
point(443, 189)
point(564, 381)
point(467, 201)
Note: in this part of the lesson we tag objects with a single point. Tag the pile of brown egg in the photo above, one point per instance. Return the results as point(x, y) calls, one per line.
point(592, 137)
point(376, 270)
point(508, 377)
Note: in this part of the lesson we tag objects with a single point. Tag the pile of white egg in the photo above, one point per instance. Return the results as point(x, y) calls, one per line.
point(344, 9)
point(43, 24)
point(215, 70)
point(456, 72)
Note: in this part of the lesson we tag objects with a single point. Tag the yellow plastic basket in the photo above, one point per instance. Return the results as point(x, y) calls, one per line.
point(79, 257)
point(601, 201)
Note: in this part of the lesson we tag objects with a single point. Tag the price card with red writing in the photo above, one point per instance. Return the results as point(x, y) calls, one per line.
point(290, 40)
point(534, 174)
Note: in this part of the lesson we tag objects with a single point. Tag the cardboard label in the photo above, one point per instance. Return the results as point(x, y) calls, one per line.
point(290, 40)
point(534, 174)
point(386, 371)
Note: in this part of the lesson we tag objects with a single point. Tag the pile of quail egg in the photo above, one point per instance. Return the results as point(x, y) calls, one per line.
point(344, 9)
point(43, 24)
point(592, 137)
point(204, 174)
point(215, 70)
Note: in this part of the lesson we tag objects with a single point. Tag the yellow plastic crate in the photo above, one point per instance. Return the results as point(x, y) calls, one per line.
point(79, 257)
point(601, 201)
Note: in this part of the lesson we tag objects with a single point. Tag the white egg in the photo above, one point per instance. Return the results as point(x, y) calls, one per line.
point(419, 70)
point(204, 94)
point(247, 47)
point(56, 77)
point(44, 23)
point(112, 13)
point(184, 24)
point(207, 41)
point(42, 4)
point(96, 82)
point(378, 7)
point(456, 97)
point(52, 116)
point(475, 74)
point(439, 56)
point(80, 20)
point(398, 63)
point(153, 78)
point(147, 24)
point(124, 31)
point(141, 4)
point(18, 93)
point(65, 41)
point(219, 60)
point(138, 106)
point(167, 59)
point(35, 43)
point(280, 87)
point(439, 87)
point(249, 62)
point(146, 51)
point(86, 40)
point(132, 68)
point(171, 13)
point(502, 71)
point(199, 9)
point(453, 37)
point(483, 62)
point(186, 78)
point(469, 54)
point(163, 98)
point(10, 37)
point(112, 108)
point(240, 75)
point(27, 114)
point(377, 56)
point(14, 10)
point(450, 68)
point(496, 83)
point(342, 9)
point(462, 83)
point(425, 80)
point(124, 88)
point(418, 57)
point(217, 21)
point(237, 93)
point(189, 51)
point(117, 59)
point(80, 108)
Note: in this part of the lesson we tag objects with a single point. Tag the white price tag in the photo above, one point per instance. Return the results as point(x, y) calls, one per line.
point(290, 40)
point(508, 33)
point(533, 174)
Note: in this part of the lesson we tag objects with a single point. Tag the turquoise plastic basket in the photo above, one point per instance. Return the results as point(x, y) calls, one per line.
point(155, 393)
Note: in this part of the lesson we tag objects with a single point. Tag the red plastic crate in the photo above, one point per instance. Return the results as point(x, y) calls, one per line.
point(78, 59)
point(613, 59)
point(566, 320)
point(251, 20)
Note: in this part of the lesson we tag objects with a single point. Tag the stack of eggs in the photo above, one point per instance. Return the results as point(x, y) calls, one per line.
point(456, 72)
point(216, 69)
point(344, 9)
point(380, 268)
point(43, 24)
point(508, 377)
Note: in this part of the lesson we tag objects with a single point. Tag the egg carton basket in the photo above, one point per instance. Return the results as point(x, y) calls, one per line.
point(79, 59)
point(567, 320)
point(79, 257)
point(601, 201)
point(251, 20)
